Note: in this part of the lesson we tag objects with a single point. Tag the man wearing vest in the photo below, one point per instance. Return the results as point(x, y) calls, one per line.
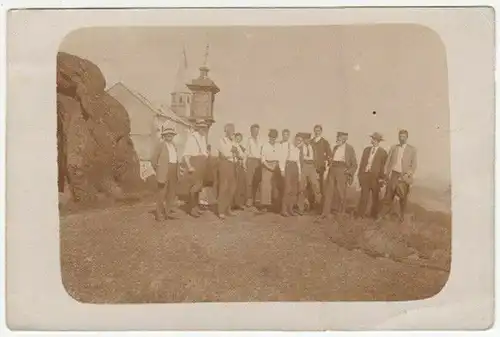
point(253, 164)
point(309, 177)
point(399, 170)
point(322, 152)
point(343, 165)
point(195, 159)
point(371, 175)
point(164, 162)
point(270, 157)
point(228, 153)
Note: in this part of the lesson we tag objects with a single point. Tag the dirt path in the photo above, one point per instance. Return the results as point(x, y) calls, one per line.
point(122, 255)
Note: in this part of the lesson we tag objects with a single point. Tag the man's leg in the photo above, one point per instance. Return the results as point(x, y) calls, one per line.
point(197, 184)
point(266, 188)
point(328, 195)
point(390, 192)
point(375, 192)
point(232, 187)
point(252, 165)
point(314, 181)
point(285, 197)
point(403, 202)
point(365, 194)
point(171, 190)
point(341, 188)
point(294, 189)
point(302, 193)
point(322, 183)
point(160, 197)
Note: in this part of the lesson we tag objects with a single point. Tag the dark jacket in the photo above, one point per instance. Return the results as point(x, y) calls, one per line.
point(378, 164)
point(322, 151)
point(350, 158)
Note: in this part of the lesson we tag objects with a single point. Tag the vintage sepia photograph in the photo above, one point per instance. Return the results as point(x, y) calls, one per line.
point(242, 164)
point(235, 169)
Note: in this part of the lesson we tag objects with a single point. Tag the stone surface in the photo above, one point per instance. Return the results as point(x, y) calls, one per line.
point(95, 152)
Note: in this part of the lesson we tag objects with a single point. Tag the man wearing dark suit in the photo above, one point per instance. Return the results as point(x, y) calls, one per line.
point(371, 174)
point(343, 165)
point(399, 170)
point(165, 163)
point(322, 152)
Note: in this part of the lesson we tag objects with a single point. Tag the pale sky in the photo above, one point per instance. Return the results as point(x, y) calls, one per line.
point(295, 77)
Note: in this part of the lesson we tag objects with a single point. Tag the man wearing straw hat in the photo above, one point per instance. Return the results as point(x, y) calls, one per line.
point(371, 175)
point(195, 158)
point(165, 163)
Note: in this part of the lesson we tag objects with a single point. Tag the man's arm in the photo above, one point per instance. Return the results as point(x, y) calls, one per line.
point(354, 162)
point(413, 162)
point(189, 151)
point(388, 162)
point(383, 161)
point(363, 161)
point(155, 155)
point(327, 151)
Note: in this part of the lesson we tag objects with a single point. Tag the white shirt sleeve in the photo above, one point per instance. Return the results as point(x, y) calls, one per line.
point(284, 154)
point(191, 147)
point(225, 147)
point(263, 153)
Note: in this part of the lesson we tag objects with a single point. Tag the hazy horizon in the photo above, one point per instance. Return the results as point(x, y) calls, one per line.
point(295, 77)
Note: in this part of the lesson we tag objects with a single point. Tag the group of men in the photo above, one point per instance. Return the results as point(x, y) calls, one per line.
point(290, 176)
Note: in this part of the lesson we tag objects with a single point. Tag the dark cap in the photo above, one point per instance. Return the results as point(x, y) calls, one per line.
point(255, 126)
point(403, 131)
point(273, 133)
point(304, 135)
point(340, 133)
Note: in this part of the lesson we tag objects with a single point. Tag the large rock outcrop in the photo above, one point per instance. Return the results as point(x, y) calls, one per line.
point(95, 152)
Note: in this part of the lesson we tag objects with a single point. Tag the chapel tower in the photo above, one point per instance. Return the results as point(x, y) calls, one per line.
point(203, 94)
point(181, 96)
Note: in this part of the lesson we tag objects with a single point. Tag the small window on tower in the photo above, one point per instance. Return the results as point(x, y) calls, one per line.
point(188, 99)
point(180, 99)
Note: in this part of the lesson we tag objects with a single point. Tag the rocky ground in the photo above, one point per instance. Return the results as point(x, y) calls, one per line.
point(121, 255)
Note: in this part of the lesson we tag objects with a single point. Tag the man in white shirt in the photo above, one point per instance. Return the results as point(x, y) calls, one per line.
point(228, 154)
point(270, 157)
point(291, 170)
point(164, 162)
point(253, 164)
point(195, 158)
point(310, 176)
point(371, 175)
